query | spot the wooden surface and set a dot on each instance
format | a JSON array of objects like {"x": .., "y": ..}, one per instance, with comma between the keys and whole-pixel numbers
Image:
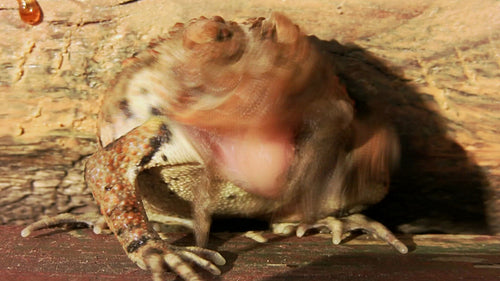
[
  {"x": 82, "y": 255},
  {"x": 433, "y": 64}
]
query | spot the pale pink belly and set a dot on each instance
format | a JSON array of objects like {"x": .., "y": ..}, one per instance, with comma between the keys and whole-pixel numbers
[{"x": 257, "y": 161}]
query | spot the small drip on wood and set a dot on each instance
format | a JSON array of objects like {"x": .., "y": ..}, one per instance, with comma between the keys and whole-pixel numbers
[{"x": 30, "y": 11}]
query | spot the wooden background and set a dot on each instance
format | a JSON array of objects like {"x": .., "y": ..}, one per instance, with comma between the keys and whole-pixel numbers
[{"x": 434, "y": 66}]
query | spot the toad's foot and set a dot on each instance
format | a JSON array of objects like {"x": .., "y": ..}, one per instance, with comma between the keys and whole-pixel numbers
[
  {"x": 156, "y": 254},
  {"x": 341, "y": 228},
  {"x": 92, "y": 220}
]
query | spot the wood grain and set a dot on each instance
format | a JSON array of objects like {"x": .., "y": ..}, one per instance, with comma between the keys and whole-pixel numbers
[
  {"x": 433, "y": 65},
  {"x": 82, "y": 255}
]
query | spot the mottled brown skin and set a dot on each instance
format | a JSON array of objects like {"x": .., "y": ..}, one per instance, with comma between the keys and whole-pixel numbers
[{"x": 259, "y": 86}]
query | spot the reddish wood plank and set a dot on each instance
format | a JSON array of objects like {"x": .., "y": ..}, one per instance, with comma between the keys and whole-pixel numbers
[
  {"x": 435, "y": 64},
  {"x": 82, "y": 255}
]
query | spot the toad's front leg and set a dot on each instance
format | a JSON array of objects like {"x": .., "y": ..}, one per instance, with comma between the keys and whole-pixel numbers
[{"x": 111, "y": 173}]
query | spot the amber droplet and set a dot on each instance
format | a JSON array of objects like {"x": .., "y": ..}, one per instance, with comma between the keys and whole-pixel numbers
[{"x": 30, "y": 11}]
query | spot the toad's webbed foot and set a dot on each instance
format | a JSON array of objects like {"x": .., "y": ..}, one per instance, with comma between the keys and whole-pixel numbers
[
  {"x": 92, "y": 220},
  {"x": 341, "y": 228}
]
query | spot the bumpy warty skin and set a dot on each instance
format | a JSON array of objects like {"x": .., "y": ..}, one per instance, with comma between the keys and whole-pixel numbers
[
  {"x": 181, "y": 117},
  {"x": 240, "y": 80}
]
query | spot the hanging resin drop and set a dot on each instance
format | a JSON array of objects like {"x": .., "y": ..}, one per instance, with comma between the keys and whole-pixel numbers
[{"x": 30, "y": 11}]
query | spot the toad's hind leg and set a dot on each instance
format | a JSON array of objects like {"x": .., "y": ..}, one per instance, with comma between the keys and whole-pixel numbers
[
  {"x": 341, "y": 228},
  {"x": 92, "y": 220}
]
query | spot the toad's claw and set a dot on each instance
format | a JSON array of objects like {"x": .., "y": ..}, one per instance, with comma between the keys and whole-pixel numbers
[
  {"x": 341, "y": 228},
  {"x": 92, "y": 220},
  {"x": 156, "y": 254}
]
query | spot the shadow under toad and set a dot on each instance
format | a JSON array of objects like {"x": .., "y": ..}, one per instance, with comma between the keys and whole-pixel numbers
[{"x": 437, "y": 188}]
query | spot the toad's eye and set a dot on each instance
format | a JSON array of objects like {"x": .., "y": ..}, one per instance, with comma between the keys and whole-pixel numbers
[
  {"x": 206, "y": 31},
  {"x": 280, "y": 29},
  {"x": 223, "y": 34}
]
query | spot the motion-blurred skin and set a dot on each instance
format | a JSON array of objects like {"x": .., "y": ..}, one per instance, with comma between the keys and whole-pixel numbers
[{"x": 227, "y": 119}]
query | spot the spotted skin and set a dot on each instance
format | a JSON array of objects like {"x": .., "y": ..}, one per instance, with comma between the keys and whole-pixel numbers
[
  {"x": 106, "y": 175},
  {"x": 160, "y": 124},
  {"x": 111, "y": 174}
]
